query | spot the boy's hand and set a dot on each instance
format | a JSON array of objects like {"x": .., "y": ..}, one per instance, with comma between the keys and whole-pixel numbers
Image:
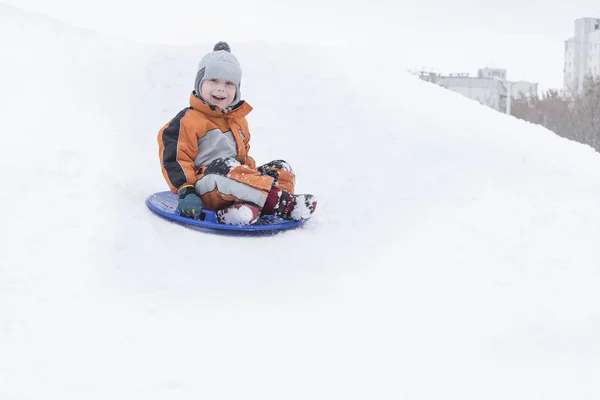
[{"x": 189, "y": 204}]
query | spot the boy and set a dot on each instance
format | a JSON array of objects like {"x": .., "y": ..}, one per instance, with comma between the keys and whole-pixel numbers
[{"x": 204, "y": 157}]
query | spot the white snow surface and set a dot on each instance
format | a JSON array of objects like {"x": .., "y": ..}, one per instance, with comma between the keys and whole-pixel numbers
[{"x": 454, "y": 253}]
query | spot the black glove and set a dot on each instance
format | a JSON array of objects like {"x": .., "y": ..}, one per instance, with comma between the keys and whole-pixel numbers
[{"x": 190, "y": 204}]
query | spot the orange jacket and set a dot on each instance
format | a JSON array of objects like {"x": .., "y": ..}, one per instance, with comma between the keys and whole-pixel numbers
[{"x": 197, "y": 135}]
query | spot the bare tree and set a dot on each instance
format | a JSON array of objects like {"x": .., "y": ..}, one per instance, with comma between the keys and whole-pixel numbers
[
  {"x": 585, "y": 113},
  {"x": 575, "y": 117}
]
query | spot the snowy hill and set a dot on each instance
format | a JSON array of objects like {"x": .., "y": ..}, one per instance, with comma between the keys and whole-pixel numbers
[{"x": 454, "y": 253}]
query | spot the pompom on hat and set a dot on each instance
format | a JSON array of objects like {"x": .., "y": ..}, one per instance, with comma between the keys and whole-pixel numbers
[{"x": 220, "y": 64}]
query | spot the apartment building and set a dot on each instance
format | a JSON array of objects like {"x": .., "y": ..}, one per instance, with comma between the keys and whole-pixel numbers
[
  {"x": 489, "y": 87},
  {"x": 582, "y": 54}
]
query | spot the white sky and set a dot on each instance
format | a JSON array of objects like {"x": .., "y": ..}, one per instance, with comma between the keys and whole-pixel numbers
[{"x": 526, "y": 38}]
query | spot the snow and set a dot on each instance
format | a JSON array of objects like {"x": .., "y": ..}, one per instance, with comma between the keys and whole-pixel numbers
[{"x": 453, "y": 255}]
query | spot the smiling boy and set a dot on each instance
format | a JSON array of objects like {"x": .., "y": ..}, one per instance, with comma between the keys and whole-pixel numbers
[
  {"x": 204, "y": 153},
  {"x": 218, "y": 92}
]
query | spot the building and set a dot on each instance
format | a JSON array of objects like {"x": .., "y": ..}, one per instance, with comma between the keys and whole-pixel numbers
[
  {"x": 494, "y": 73},
  {"x": 523, "y": 89},
  {"x": 486, "y": 90},
  {"x": 517, "y": 88},
  {"x": 582, "y": 54},
  {"x": 489, "y": 87}
]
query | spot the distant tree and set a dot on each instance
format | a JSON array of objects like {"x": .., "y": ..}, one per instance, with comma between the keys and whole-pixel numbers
[
  {"x": 585, "y": 113},
  {"x": 551, "y": 110},
  {"x": 574, "y": 117}
]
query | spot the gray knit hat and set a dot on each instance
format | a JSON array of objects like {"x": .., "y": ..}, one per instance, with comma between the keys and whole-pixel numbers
[{"x": 219, "y": 64}]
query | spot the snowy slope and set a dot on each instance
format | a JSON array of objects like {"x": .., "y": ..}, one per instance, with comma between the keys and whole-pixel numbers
[{"x": 453, "y": 254}]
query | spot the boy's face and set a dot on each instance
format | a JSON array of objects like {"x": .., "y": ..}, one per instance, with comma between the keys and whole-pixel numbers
[{"x": 218, "y": 92}]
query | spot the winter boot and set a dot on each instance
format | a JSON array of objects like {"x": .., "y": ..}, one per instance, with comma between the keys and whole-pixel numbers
[
  {"x": 239, "y": 214},
  {"x": 289, "y": 206},
  {"x": 304, "y": 206}
]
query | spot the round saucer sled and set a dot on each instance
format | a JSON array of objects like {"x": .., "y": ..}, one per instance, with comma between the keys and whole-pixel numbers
[{"x": 165, "y": 205}]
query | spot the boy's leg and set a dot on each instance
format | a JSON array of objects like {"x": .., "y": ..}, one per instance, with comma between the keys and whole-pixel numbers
[
  {"x": 270, "y": 187},
  {"x": 281, "y": 199},
  {"x": 282, "y": 174},
  {"x": 225, "y": 182}
]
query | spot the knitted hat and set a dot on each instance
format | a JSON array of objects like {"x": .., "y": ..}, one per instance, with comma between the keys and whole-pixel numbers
[{"x": 220, "y": 64}]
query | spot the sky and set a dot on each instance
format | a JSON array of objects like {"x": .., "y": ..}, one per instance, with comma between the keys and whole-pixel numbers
[
  {"x": 526, "y": 38},
  {"x": 453, "y": 255}
]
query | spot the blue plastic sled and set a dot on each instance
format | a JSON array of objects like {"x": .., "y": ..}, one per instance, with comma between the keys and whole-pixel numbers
[{"x": 165, "y": 205}]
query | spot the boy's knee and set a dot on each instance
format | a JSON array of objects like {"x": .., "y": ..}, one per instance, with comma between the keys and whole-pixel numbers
[
  {"x": 221, "y": 166},
  {"x": 276, "y": 164}
]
